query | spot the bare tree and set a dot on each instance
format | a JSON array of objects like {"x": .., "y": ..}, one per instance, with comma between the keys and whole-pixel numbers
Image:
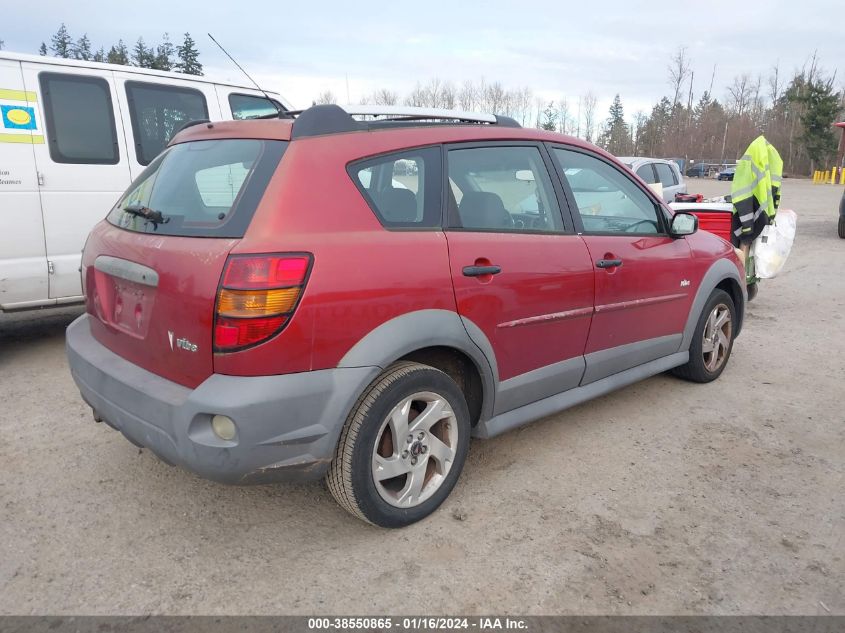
[
  {"x": 564, "y": 115},
  {"x": 679, "y": 70},
  {"x": 589, "y": 107},
  {"x": 326, "y": 97},
  {"x": 775, "y": 86},
  {"x": 383, "y": 96},
  {"x": 468, "y": 96},
  {"x": 739, "y": 94},
  {"x": 448, "y": 96}
]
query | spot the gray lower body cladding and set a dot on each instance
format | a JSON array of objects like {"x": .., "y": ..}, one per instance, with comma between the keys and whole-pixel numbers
[{"x": 287, "y": 425}]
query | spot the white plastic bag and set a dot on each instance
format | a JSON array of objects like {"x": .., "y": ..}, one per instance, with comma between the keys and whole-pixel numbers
[{"x": 772, "y": 246}]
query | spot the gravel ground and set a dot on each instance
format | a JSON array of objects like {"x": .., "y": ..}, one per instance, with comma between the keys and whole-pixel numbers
[{"x": 663, "y": 498}]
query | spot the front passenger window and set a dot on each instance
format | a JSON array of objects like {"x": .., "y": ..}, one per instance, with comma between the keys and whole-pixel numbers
[{"x": 608, "y": 201}]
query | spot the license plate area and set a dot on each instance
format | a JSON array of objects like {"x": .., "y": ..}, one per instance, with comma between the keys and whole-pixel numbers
[{"x": 125, "y": 295}]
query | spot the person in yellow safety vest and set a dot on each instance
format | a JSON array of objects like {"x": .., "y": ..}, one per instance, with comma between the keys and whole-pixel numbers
[{"x": 755, "y": 192}]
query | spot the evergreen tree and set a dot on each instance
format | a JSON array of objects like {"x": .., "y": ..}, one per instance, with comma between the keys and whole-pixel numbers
[
  {"x": 550, "y": 116},
  {"x": 61, "y": 43},
  {"x": 100, "y": 55},
  {"x": 164, "y": 54},
  {"x": 188, "y": 57},
  {"x": 142, "y": 56},
  {"x": 82, "y": 50},
  {"x": 118, "y": 54},
  {"x": 821, "y": 107},
  {"x": 42, "y": 50},
  {"x": 2, "y": 43},
  {"x": 617, "y": 137}
]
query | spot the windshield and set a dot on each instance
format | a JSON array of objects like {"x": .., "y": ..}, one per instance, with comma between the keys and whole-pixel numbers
[{"x": 201, "y": 188}]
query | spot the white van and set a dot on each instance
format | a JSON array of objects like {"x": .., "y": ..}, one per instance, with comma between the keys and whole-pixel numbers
[{"x": 73, "y": 135}]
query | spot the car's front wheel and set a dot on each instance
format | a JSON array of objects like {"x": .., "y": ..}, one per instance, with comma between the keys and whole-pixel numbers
[
  {"x": 712, "y": 340},
  {"x": 402, "y": 447},
  {"x": 842, "y": 226}
]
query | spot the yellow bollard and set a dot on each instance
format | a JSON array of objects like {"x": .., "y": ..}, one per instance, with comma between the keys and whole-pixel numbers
[
  {"x": 816, "y": 177},
  {"x": 833, "y": 176},
  {"x": 842, "y": 176},
  {"x": 826, "y": 176}
]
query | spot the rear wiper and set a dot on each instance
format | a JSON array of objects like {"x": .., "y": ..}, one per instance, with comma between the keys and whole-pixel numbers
[{"x": 152, "y": 215}]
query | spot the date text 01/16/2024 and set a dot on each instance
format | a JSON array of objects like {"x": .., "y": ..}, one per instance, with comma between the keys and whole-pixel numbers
[{"x": 420, "y": 623}]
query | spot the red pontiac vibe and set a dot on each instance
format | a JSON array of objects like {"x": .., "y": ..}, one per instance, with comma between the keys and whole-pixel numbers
[{"x": 322, "y": 296}]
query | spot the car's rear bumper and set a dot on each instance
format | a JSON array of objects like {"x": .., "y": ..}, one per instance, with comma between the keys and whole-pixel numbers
[{"x": 287, "y": 425}]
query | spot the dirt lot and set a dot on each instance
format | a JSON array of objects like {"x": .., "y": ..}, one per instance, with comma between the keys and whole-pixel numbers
[{"x": 665, "y": 497}]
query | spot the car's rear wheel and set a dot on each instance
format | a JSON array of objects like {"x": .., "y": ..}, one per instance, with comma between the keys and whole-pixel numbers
[
  {"x": 712, "y": 340},
  {"x": 402, "y": 448},
  {"x": 842, "y": 226}
]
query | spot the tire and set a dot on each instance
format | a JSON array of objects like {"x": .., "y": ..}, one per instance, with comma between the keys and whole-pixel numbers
[
  {"x": 842, "y": 226},
  {"x": 384, "y": 434},
  {"x": 752, "y": 291},
  {"x": 703, "y": 366}
]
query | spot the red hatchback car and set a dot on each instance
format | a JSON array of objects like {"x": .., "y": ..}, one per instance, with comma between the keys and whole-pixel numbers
[{"x": 319, "y": 295}]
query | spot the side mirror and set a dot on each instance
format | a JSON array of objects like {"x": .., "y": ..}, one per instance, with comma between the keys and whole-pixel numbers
[{"x": 683, "y": 224}]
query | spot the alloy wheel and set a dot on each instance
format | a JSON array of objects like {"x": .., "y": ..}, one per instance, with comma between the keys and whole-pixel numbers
[{"x": 414, "y": 450}]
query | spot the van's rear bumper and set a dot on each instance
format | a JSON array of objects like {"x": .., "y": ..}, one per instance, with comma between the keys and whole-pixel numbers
[{"x": 287, "y": 425}]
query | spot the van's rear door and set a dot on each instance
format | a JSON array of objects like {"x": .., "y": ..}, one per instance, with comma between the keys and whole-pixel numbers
[
  {"x": 82, "y": 164},
  {"x": 153, "y": 267}
]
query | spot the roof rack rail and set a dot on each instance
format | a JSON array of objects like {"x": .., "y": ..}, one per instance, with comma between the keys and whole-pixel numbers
[{"x": 333, "y": 119}]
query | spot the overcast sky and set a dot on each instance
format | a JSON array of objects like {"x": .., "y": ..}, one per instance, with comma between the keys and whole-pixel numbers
[{"x": 558, "y": 49}]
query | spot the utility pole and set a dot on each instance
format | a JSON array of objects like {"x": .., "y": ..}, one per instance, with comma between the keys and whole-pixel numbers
[{"x": 724, "y": 139}]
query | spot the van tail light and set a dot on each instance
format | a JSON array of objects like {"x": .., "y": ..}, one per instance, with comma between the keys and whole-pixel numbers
[{"x": 257, "y": 297}]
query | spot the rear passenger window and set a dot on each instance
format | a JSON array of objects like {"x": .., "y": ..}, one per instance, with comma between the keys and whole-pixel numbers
[
  {"x": 646, "y": 172},
  {"x": 501, "y": 189},
  {"x": 403, "y": 190},
  {"x": 666, "y": 175},
  {"x": 252, "y": 107},
  {"x": 80, "y": 119},
  {"x": 157, "y": 112}
]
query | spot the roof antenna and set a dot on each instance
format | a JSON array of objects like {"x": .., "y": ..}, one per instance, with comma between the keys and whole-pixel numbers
[{"x": 264, "y": 92}]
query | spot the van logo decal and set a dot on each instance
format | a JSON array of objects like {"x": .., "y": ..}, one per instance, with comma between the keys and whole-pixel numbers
[{"x": 180, "y": 343}]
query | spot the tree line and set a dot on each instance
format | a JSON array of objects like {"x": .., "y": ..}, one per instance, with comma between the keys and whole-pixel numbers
[
  {"x": 796, "y": 112},
  {"x": 166, "y": 55}
]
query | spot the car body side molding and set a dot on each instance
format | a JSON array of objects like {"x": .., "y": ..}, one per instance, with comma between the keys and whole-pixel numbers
[{"x": 554, "y": 404}]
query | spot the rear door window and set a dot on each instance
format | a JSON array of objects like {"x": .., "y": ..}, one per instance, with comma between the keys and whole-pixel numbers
[
  {"x": 202, "y": 188},
  {"x": 80, "y": 119},
  {"x": 157, "y": 112},
  {"x": 501, "y": 189},
  {"x": 402, "y": 189},
  {"x": 252, "y": 107},
  {"x": 646, "y": 172},
  {"x": 666, "y": 174}
]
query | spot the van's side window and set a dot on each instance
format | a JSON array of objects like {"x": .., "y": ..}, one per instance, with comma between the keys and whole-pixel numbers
[
  {"x": 157, "y": 112},
  {"x": 80, "y": 119},
  {"x": 252, "y": 107}
]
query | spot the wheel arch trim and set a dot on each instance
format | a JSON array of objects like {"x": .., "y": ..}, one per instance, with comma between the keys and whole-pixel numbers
[
  {"x": 405, "y": 334},
  {"x": 719, "y": 271}
]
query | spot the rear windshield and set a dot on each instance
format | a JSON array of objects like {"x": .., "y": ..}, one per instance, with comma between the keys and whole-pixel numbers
[{"x": 200, "y": 189}]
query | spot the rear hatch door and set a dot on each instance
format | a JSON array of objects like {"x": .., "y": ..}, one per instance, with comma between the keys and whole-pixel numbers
[{"x": 153, "y": 267}]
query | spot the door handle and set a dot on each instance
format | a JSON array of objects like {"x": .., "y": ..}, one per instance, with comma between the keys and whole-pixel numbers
[
  {"x": 478, "y": 271},
  {"x": 608, "y": 263}
]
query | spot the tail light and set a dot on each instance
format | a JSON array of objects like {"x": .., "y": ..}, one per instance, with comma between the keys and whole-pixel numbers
[{"x": 257, "y": 297}]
